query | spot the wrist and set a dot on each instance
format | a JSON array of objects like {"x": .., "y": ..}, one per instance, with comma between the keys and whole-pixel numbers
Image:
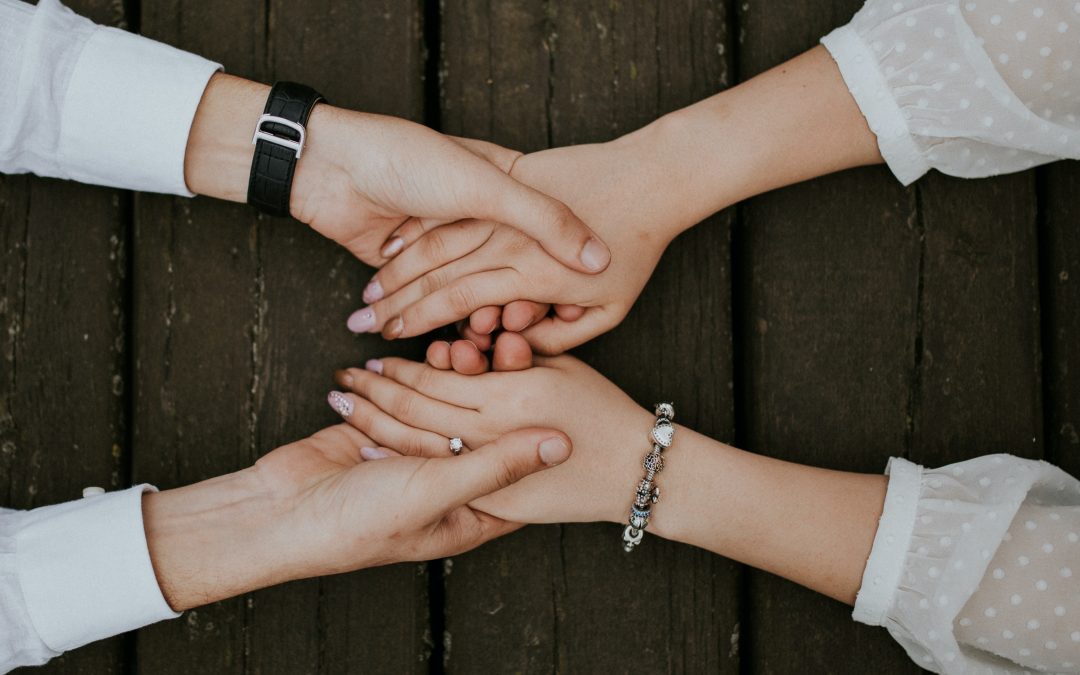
[
  {"x": 217, "y": 162},
  {"x": 216, "y": 539}
]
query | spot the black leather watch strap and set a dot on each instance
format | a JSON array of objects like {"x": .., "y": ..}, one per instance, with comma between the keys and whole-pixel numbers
[{"x": 279, "y": 142}]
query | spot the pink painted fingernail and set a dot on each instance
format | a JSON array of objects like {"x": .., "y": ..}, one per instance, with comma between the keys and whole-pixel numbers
[
  {"x": 374, "y": 365},
  {"x": 340, "y": 403},
  {"x": 394, "y": 329},
  {"x": 373, "y": 453},
  {"x": 594, "y": 255},
  {"x": 373, "y": 291},
  {"x": 362, "y": 320},
  {"x": 393, "y": 247},
  {"x": 554, "y": 451}
]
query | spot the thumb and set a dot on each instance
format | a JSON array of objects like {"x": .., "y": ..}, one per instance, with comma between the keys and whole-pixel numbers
[
  {"x": 549, "y": 222},
  {"x": 501, "y": 463}
]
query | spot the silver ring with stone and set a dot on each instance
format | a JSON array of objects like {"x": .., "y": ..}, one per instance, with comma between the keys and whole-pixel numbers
[{"x": 456, "y": 446}]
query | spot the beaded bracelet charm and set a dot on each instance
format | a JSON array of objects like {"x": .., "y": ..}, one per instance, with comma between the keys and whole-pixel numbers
[{"x": 663, "y": 432}]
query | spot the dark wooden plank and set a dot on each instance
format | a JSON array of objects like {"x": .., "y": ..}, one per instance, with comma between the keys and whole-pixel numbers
[
  {"x": 561, "y": 73},
  {"x": 368, "y": 56},
  {"x": 979, "y": 387},
  {"x": 197, "y": 316},
  {"x": 828, "y": 297},
  {"x": 1060, "y": 280},
  {"x": 62, "y": 331},
  {"x": 239, "y": 341}
]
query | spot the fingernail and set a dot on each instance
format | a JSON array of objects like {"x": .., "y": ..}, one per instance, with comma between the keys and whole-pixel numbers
[
  {"x": 393, "y": 247},
  {"x": 594, "y": 255},
  {"x": 373, "y": 291},
  {"x": 554, "y": 451},
  {"x": 374, "y": 365},
  {"x": 373, "y": 453},
  {"x": 362, "y": 320},
  {"x": 394, "y": 328},
  {"x": 340, "y": 403}
]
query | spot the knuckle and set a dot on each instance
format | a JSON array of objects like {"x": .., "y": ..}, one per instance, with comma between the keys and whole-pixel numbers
[
  {"x": 461, "y": 298},
  {"x": 402, "y": 405},
  {"x": 431, "y": 282},
  {"x": 425, "y": 379},
  {"x": 433, "y": 246},
  {"x": 505, "y": 473}
]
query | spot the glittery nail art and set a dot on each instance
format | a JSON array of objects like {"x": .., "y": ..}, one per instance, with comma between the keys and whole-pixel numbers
[{"x": 340, "y": 403}]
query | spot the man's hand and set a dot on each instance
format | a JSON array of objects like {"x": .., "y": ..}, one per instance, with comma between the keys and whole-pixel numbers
[
  {"x": 362, "y": 177},
  {"x": 319, "y": 506}
]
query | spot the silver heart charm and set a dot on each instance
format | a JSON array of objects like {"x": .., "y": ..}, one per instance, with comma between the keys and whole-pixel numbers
[{"x": 662, "y": 435}]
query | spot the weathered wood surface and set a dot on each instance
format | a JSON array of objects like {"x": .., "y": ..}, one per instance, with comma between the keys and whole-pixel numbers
[
  {"x": 566, "y": 598},
  {"x": 836, "y": 323}
]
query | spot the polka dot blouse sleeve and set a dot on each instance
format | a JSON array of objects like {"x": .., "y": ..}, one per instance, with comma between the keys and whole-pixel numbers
[
  {"x": 971, "y": 88},
  {"x": 975, "y": 567}
]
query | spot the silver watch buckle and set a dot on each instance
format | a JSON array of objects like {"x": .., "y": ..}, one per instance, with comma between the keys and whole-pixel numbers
[{"x": 296, "y": 146}]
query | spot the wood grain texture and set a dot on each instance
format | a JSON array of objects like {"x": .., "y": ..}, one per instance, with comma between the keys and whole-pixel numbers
[
  {"x": 238, "y": 340},
  {"x": 828, "y": 297},
  {"x": 1060, "y": 283},
  {"x": 63, "y": 341},
  {"x": 537, "y": 74}
]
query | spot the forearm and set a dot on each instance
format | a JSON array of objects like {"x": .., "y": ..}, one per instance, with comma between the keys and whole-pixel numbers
[
  {"x": 812, "y": 526},
  {"x": 215, "y": 539},
  {"x": 789, "y": 124}
]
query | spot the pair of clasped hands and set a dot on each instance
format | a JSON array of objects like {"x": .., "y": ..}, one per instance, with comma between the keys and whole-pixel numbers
[{"x": 544, "y": 251}]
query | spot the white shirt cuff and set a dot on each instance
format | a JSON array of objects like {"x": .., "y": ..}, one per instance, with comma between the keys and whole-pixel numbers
[
  {"x": 128, "y": 112},
  {"x": 85, "y": 570},
  {"x": 881, "y": 577},
  {"x": 859, "y": 67}
]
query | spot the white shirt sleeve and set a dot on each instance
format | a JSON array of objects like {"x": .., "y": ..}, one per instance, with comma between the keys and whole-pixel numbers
[
  {"x": 94, "y": 104},
  {"x": 971, "y": 89},
  {"x": 74, "y": 573},
  {"x": 975, "y": 566}
]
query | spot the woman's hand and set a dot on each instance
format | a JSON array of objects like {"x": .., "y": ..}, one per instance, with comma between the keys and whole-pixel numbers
[
  {"x": 415, "y": 408},
  {"x": 362, "y": 176},
  {"x": 320, "y": 506},
  {"x": 448, "y": 273}
]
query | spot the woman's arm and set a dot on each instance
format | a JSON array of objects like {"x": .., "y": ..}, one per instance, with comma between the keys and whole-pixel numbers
[{"x": 638, "y": 192}]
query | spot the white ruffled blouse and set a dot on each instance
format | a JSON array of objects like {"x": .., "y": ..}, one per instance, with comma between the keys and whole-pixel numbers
[
  {"x": 971, "y": 88},
  {"x": 975, "y": 567}
]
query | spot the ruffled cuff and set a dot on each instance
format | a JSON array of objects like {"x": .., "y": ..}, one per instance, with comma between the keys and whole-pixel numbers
[{"x": 864, "y": 79}]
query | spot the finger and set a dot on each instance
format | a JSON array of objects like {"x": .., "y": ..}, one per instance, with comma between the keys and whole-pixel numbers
[
  {"x": 438, "y": 355},
  {"x": 446, "y": 386},
  {"x": 431, "y": 251},
  {"x": 554, "y": 335},
  {"x": 504, "y": 158},
  {"x": 548, "y": 221},
  {"x": 569, "y": 312},
  {"x": 366, "y": 417},
  {"x": 453, "y": 302},
  {"x": 408, "y": 406},
  {"x": 467, "y": 359},
  {"x": 520, "y": 314},
  {"x": 482, "y": 342},
  {"x": 369, "y": 453},
  {"x": 458, "y": 274},
  {"x": 465, "y": 528},
  {"x": 512, "y": 352},
  {"x": 485, "y": 320},
  {"x": 497, "y": 465}
]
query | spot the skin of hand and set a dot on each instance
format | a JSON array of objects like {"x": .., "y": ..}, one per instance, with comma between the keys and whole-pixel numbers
[
  {"x": 791, "y": 123},
  {"x": 810, "y": 525},
  {"x": 361, "y": 177},
  {"x": 321, "y": 506}
]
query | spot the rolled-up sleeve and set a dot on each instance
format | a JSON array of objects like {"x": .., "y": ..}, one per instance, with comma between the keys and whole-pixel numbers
[
  {"x": 94, "y": 104},
  {"x": 74, "y": 573}
]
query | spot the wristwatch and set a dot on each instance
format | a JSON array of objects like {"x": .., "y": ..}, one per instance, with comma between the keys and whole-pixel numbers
[{"x": 279, "y": 142}]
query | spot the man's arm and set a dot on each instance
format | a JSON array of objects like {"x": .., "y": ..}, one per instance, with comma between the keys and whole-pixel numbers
[{"x": 103, "y": 106}]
